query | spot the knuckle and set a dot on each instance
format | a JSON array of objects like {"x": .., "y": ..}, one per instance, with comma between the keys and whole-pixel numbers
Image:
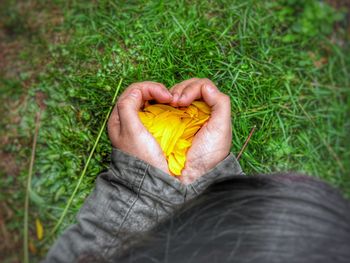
[
  {"x": 159, "y": 85},
  {"x": 134, "y": 85},
  {"x": 110, "y": 122},
  {"x": 137, "y": 84},
  {"x": 113, "y": 119},
  {"x": 175, "y": 89},
  {"x": 145, "y": 84},
  {"x": 109, "y": 125},
  {"x": 122, "y": 105}
]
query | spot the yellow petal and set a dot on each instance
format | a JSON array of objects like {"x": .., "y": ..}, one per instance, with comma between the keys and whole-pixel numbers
[
  {"x": 202, "y": 106},
  {"x": 181, "y": 159},
  {"x": 170, "y": 134},
  {"x": 191, "y": 131},
  {"x": 175, "y": 136},
  {"x": 159, "y": 124},
  {"x": 192, "y": 111},
  {"x": 154, "y": 109},
  {"x": 198, "y": 121},
  {"x": 159, "y": 108},
  {"x": 39, "y": 229},
  {"x": 174, "y": 166},
  {"x": 174, "y": 129},
  {"x": 183, "y": 144},
  {"x": 146, "y": 118}
]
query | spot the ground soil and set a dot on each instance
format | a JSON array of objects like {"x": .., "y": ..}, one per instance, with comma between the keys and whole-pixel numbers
[
  {"x": 12, "y": 65},
  {"x": 22, "y": 50}
]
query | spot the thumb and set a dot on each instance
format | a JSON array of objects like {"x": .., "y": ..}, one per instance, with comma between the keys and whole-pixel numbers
[
  {"x": 220, "y": 105},
  {"x": 128, "y": 108}
]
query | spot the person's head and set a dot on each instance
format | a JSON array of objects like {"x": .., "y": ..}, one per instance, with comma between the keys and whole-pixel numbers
[{"x": 277, "y": 218}]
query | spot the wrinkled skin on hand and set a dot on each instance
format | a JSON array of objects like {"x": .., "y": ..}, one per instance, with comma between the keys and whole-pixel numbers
[
  {"x": 210, "y": 145},
  {"x": 125, "y": 129}
]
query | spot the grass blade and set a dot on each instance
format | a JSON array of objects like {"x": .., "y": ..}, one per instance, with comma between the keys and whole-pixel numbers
[
  {"x": 64, "y": 213},
  {"x": 29, "y": 182}
]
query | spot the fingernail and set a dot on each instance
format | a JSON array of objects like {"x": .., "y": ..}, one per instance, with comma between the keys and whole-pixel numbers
[
  {"x": 210, "y": 89},
  {"x": 166, "y": 92},
  {"x": 134, "y": 93}
]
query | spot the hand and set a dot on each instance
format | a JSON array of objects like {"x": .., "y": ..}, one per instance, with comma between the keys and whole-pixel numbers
[
  {"x": 125, "y": 129},
  {"x": 212, "y": 143}
]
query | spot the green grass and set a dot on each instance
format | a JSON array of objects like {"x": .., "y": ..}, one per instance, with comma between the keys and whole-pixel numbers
[{"x": 281, "y": 62}]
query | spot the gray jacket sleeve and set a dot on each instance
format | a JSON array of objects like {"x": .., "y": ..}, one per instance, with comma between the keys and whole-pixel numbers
[{"x": 131, "y": 197}]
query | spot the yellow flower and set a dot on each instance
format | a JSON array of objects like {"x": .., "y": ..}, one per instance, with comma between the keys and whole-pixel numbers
[{"x": 174, "y": 129}]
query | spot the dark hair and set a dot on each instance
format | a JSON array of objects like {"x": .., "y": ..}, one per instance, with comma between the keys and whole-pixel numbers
[{"x": 275, "y": 218}]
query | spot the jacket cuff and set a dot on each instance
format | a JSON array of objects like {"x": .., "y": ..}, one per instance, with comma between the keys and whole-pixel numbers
[
  {"x": 138, "y": 175},
  {"x": 225, "y": 169}
]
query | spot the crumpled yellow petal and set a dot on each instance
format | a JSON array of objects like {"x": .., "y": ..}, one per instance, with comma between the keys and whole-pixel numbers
[
  {"x": 159, "y": 108},
  {"x": 39, "y": 229},
  {"x": 202, "y": 106},
  {"x": 146, "y": 118},
  {"x": 192, "y": 111},
  {"x": 190, "y": 131},
  {"x": 174, "y": 166},
  {"x": 174, "y": 129}
]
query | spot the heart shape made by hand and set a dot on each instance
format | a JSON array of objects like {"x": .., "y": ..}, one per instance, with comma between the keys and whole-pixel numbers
[{"x": 174, "y": 129}]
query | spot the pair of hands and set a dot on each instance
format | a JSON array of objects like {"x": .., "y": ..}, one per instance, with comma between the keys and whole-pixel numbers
[{"x": 210, "y": 145}]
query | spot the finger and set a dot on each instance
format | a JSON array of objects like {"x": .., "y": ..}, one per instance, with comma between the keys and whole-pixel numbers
[
  {"x": 220, "y": 108},
  {"x": 132, "y": 100},
  {"x": 128, "y": 107},
  {"x": 113, "y": 127},
  {"x": 151, "y": 91},
  {"x": 218, "y": 101},
  {"x": 178, "y": 88},
  {"x": 176, "y": 91},
  {"x": 194, "y": 91}
]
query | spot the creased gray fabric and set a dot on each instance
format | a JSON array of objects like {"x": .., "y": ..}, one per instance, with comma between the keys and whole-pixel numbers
[{"x": 131, "y": 197}]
